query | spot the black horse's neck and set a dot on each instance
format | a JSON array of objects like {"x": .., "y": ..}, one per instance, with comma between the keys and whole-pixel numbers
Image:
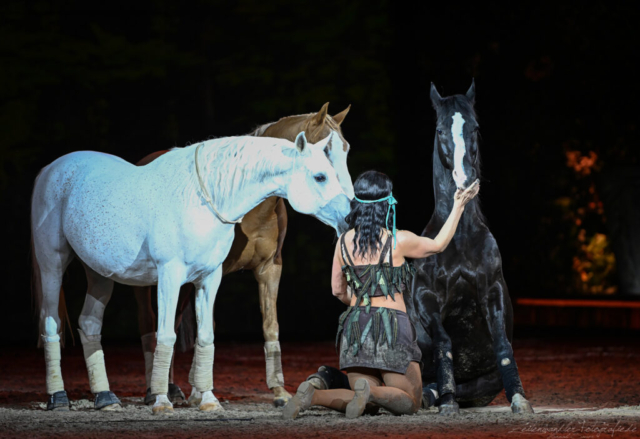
[{"x": 444, "y": 189}]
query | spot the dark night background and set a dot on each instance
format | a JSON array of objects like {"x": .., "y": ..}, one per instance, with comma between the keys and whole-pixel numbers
[{"x": 557, "y": 96}]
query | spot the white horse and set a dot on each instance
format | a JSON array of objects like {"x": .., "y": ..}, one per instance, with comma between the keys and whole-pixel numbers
[{"x": 158, "y": 224}]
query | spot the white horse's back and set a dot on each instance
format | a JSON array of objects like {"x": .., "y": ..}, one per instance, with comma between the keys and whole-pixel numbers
[{"x": 100, "y": 206}]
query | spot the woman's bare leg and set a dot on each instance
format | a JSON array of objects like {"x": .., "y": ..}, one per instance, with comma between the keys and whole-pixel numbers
[
  {"x": 336, "y": 399},
  {"x": 402, "y": 394}
]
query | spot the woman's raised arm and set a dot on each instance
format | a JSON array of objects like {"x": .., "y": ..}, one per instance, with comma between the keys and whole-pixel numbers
[{"x": 414, "y": 246}]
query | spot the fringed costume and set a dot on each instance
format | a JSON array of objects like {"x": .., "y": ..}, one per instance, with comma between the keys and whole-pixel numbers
[{"x": 376, "y": 337}]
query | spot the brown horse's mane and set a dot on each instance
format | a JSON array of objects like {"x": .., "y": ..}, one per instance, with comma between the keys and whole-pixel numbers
[{"x": 328, "y": 120}]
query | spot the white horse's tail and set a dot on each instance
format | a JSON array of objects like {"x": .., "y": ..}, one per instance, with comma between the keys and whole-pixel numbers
[{"x": 36, "y": 293}]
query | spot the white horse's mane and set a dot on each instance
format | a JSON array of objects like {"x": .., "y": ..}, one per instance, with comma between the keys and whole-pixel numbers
[{"x": 228, "y": 163}]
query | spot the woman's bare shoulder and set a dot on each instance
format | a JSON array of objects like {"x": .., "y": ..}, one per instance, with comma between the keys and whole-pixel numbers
[{"x": 404, "y": 235}]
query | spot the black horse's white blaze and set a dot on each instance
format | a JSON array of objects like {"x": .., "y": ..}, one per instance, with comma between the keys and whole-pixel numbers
[{"x": 457, "y": 133}]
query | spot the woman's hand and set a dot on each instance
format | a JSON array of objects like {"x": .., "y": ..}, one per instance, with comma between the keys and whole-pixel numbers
[{"x": 462, "y": 197}]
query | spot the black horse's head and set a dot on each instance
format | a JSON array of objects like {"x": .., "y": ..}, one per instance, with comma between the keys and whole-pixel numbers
[{"x": 457, "y": 135}]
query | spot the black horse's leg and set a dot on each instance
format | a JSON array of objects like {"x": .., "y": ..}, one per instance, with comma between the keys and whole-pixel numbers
[
  {"x": 444, "y": 367},
  {"x": 498, "y": 313},
  {"x": 480, "y": 391}
]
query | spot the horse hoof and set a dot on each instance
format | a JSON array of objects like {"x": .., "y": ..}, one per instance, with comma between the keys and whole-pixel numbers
[
  {"x": 281, "y": 397},
  {"x": 209, "y": 403},
  {"x": 280, "y": 402},
  {"x": 429, "y": 398},
  {"x": 195, "y": 399},
  {"x": 162, "y": 410},
  {"x": 210, "y": 407},
  {"x": 162, "y": 406},
  {"x": 107, "y": 401},
  {"x": 111, "y": 408},
  {"x": 175, "y": 394},
  {"x": 149, "y": 398},
  {"x": 520, "y": 405},
  {"x": 449, "y": 409},
  {"x": 58, "y": 402}
]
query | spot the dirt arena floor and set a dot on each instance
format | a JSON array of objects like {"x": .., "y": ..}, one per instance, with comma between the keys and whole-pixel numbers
[{"x": 579, "y": 388}]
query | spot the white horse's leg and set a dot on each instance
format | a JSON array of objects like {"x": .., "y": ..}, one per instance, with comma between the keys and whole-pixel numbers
[
  {"x": 51, "y": 327},
  {"x": 51, "y": 256},
  {"x": 170, "y": 278},
  {"x": 204, "y": 349},
  {"x": 99, "y": 291}
]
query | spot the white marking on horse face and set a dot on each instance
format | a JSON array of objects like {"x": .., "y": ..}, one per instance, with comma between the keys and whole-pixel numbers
[
  {"x": 505, "y": 362},
  {"x": 457, "y": 133}
]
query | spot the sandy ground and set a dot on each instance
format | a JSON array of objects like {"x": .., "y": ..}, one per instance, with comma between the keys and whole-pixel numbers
[{"x": 579, "y": 388}]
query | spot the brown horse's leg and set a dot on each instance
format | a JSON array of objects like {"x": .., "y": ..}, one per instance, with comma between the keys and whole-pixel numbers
[
  {"x": 147, "y": 327},
  {"x": 268, "y": 277}
]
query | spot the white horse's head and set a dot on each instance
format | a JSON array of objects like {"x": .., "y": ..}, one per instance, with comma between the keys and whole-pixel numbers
[
  {"x": 337, "y": 149},
  {"x": 314, "y": 188}
]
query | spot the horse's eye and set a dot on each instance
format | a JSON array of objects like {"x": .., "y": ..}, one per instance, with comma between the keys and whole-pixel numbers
[
  {"x": 320, "y": 178},
  {"x": 439, "y": 132}
]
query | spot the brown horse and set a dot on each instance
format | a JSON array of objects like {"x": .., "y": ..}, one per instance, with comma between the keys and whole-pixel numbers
[{"x": 257, "y": 246}]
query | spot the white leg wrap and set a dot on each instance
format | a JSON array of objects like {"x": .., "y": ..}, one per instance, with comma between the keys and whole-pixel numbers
[
  {"x": 160, "y": 374},
  {"x": 192, "y": 372},
  {"x": 203, "y": 375},
  {"x": 52, "y": 358},
  {"x": 148, "y": 349},
  {"x": 94, "y": 357},
  {"x": 273, "y": 357}
]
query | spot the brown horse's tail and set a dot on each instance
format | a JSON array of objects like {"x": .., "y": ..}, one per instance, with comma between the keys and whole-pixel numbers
[{"x": 36, "y": 295}]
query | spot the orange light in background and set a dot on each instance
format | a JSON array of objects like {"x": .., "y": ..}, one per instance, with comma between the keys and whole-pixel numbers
[
  {"x": 582, "y": 164},
  {"x": 594, "y": 262}
]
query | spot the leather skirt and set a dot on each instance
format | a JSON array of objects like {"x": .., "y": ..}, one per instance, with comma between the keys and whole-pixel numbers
[{"x": 382, "y": 338}]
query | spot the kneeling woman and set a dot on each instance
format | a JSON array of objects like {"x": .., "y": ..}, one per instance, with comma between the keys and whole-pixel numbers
[{"x": 378, "y": 348}]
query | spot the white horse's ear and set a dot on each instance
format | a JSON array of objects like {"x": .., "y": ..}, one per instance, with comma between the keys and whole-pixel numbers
[{"x": 301, "y": 142}]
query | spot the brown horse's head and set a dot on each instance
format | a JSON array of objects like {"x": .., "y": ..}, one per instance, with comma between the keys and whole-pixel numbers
[{"x": 316, "y": 127}]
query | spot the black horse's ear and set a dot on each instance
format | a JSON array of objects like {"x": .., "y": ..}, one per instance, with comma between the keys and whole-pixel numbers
[
  {"x": 471, "y": 93},
  {"x": 435, "y": 96}
]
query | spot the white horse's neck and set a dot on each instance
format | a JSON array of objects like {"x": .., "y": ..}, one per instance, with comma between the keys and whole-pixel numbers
[{"x": 238, "y": 172}]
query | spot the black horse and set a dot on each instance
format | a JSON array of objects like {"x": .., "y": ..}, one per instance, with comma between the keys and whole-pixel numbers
[{"x": 460, "y": 302}]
